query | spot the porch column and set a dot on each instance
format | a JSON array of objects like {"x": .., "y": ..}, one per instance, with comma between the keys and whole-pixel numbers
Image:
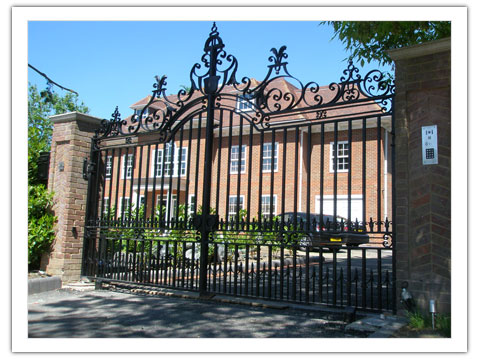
[{"x": 70, "y": 145}]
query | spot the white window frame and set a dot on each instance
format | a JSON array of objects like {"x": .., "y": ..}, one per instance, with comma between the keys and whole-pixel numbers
[
  {"x": 108, "y": 166},
  {"x": 167, "y": 215},
  {"x": 182, "y": 163},
  {"x": 106, "y": 205},
  {"x": 125, "y": 159},
  {"x": 245, "y": 104},
  {"x": 140, "y": 198},
  {"x": 332, "y": 158},
  {"x": 242, "y": 158},
  {"x": 161, "y": 163},
  {"x": 274, "y": 212},
  {"x": 242, "y": 202},
  {"x": 167, "y": 165},
  {"x": 191, "y": 202},
  {"x": 171, "y": 207},
  {"x": 274, "y": 160},
  {"x": 159, "y": 202},
  {"x": 122, "y": 204}
]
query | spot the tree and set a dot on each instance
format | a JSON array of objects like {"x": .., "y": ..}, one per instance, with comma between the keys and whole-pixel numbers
[
  {"x": 41, "y": 219},
  {"x": 186, "y": 88},
  {"x": 41, "y": 105},
  {"x": 369, "y": 40}
]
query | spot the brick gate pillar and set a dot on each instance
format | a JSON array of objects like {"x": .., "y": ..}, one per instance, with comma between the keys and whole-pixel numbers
[
  {"x": 70, "y": 145},
  {"x": 423, "y": 191}
]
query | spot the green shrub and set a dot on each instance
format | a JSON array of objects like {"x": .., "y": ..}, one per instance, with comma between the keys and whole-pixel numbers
[
  {"x": 417, "y": 320},
  {"x": 443, "y": 325},
  {"x": 40, "y": 224}
]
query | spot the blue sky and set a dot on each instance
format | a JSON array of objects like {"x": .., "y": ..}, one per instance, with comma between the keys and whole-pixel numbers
[{"x": 112, "y": 63}]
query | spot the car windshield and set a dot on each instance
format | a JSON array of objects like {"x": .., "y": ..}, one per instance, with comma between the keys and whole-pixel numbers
[
  {"x": 330, "y": 219},
  {"x": 300, "y": 216},
  {"x": 303, "y": 217}
]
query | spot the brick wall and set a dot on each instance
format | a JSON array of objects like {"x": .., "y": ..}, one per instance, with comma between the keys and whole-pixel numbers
[
  {"x": 70, "y": 145},
  {"x": 423, "y": 191}
]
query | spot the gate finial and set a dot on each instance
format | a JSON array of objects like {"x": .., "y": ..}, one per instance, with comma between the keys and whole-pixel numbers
[{"x": 214, "y": 29}]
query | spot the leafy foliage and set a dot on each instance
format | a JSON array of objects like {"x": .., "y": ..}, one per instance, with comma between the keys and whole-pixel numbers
[
  {"x": 369, "y": 40},
  {"x": 135, "y": 233},
  {"x": 444, "y": 325},
  {"x": 41, "y": 219},
  {"x": 419, "y": 321},
  {"x": 128, "y": 233},
  {"x": 40, "y": 223},
  {"x": 41, "y": 105}
]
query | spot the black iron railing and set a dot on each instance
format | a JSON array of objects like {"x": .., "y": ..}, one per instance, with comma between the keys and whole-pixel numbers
[
  {"x": 359, "y": 277},
  {"x": 241, "y": 187}
]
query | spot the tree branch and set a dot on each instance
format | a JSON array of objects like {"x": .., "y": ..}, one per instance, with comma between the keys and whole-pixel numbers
[{"x": 51, "y": 81}]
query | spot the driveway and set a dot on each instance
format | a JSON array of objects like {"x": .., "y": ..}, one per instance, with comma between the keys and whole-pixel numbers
[{"x": 98, "y": 314}]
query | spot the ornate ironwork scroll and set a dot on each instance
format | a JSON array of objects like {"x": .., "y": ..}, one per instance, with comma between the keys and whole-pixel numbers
[{"x": 279, "y": 95}]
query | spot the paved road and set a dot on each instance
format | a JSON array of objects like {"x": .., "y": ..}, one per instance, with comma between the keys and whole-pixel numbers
[{"x": 74, "y": 314}]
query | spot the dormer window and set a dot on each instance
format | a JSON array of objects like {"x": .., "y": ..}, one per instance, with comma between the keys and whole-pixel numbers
[
  {"x": 245, "y": 102},
  {"x": 138, "y": 113}
]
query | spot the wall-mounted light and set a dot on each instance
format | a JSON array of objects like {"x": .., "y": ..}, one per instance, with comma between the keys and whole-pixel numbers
[
  {"x": 61, "y": 166},
  {"x": 407, "y": 298}
]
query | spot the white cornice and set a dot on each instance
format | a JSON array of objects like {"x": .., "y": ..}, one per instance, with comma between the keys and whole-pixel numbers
[{"x": 74, "y": 116}]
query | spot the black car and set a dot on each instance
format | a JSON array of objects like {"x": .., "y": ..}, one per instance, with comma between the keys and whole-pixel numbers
[{"x": 323, "y": 234}]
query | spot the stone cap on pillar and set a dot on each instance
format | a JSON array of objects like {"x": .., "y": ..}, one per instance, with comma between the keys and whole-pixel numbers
[
  {"x": 75, "y": 116},
  {"x": 428, "y": 48}
]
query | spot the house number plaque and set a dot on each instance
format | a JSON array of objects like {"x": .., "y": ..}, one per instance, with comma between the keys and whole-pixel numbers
[{"x": 322, "y": 114}]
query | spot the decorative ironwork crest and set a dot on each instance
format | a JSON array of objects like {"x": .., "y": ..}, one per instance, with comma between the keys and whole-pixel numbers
[
  {"x": 270, "y": 97},
  {"x": 112, "y": 127}
]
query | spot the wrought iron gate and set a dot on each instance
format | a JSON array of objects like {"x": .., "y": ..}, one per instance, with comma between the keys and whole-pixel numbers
[{"x": 273, "y": 188}]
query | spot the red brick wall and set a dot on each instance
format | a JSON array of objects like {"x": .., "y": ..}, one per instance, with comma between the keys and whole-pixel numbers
[
  {"x": 423, "y": 191},
  {"x": 70, "y": 145}
]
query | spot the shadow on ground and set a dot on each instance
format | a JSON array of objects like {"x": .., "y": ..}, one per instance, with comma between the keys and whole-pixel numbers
[{"x": 99, "y": 314}]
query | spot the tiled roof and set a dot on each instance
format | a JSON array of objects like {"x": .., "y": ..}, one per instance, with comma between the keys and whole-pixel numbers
[{"x": 143, "y": 101}]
